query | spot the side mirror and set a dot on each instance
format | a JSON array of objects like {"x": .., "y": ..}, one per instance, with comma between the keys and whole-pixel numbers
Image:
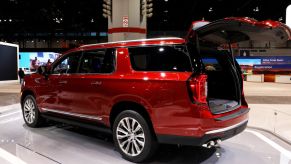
[{"x": 43, "y": 70}]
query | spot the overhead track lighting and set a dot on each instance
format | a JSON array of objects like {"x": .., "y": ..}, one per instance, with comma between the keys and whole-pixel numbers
[{"x": 107, "y": 9}]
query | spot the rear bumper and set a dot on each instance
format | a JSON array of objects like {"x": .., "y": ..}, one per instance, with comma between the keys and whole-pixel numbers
[{"x": 222, "y": 134}]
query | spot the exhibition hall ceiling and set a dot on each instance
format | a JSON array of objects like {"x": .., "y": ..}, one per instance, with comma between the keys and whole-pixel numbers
[{"x": 86, "y": 15}]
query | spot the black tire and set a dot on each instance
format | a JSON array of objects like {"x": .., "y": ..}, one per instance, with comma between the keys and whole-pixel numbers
[
  {"x": 29, "y": 106},
  {"x": 150, "y": 145}
]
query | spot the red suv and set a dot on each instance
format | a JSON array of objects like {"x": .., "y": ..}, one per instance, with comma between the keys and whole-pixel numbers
[{"x": 146, "y": 92}]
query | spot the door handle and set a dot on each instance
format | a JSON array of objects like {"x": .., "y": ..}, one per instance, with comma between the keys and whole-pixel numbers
[
  {"x": 96, "y": 83},
  {"x": 63, "y": 82},
  {"x": 37, "y": 80}
]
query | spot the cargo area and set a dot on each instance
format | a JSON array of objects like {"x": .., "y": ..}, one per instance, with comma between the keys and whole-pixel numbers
[{"x": 223, "y": 84}]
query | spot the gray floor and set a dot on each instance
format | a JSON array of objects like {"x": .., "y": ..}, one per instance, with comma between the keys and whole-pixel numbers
[
  {"x": 68, "y": 145},
  {"x": 9, "y": 98}
]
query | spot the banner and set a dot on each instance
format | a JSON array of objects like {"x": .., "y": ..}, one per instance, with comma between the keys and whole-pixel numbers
[{"x": 30, "y": 61}]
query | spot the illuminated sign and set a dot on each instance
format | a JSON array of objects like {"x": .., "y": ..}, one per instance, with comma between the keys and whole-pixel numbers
[
  {"x": 257, "y": 60},
  {"x": 267, "y": 67}
]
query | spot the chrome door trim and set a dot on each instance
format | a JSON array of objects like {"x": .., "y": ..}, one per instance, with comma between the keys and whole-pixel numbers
[{"x": 73, "y": 114}]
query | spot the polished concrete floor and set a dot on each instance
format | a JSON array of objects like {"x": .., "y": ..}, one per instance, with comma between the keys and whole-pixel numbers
[{"x": 64, "y": 144}]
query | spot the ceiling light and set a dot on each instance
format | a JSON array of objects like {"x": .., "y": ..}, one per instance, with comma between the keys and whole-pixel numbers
[
  {"x": 210, "y": 9},
  {"x": 256, "y": 9},
  {"x": 58, "y": 20}
]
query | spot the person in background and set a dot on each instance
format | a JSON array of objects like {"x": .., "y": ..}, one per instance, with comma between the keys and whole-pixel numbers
[
  {"x": 21, "y": 75},
  {"x": 34, "y": 64},
  {"x": 48, "y": 62}
]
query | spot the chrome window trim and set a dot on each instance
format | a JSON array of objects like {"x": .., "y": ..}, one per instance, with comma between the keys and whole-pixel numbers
[
  {"x": 129, "y": 41},
  {"x": 73, "y": 114},
  {"x": 227, "y": 128}
]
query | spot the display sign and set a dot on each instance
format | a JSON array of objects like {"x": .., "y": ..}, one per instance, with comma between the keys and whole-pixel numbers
[
  {"x": 277, "y": 60},
  {"x": 249, "y": 62},
  {"x": 265, "y": 63},
  {"x": 30, "y": 61},
  {"x": 268, "y": 67},
  {"x": 8, "y": 61},
  {"x": 273, "y": 60},
  {"x": 125, "y": 21}
]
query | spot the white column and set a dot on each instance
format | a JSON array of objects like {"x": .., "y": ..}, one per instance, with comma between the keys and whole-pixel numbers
[
  {"x": 288, "y": 16},
  {"x": 135, "y": 29}
]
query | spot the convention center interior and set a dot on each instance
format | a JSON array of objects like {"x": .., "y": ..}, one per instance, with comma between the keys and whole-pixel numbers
[{"x": 145, "y": 81}]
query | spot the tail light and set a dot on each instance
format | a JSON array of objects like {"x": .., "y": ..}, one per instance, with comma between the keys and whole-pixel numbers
[{"x": 198, "y": 88}]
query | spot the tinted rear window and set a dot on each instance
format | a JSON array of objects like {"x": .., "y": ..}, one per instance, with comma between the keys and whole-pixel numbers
[
  {"x": 160, "y": 58},
  {"x": 211, "y": 64}
]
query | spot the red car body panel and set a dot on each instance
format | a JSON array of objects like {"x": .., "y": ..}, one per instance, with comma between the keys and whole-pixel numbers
[{"x": 268, "y": 25}]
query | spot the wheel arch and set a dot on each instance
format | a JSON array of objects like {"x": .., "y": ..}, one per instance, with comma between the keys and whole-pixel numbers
[
  {"x": 26, "y": 93},
  {"x": 130, "y": 105}
]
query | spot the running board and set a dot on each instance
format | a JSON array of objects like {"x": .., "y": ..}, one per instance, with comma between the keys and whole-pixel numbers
[{"x": 78, "y": 123}]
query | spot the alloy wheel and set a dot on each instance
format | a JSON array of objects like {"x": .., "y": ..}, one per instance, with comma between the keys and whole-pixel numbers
[
  {"x": 130, "y": 136},
  {"x": 29, "y": 111}
]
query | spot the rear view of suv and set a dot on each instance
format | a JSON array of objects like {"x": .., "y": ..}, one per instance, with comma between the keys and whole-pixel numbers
[{"x": 144, "y": 92}]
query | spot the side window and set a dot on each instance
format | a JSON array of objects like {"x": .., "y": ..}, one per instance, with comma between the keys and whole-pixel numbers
[
  {"x": 97, "y": 61},
  {"x": 68, "y": 65},
  {"x": 160, "y": 58}
]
